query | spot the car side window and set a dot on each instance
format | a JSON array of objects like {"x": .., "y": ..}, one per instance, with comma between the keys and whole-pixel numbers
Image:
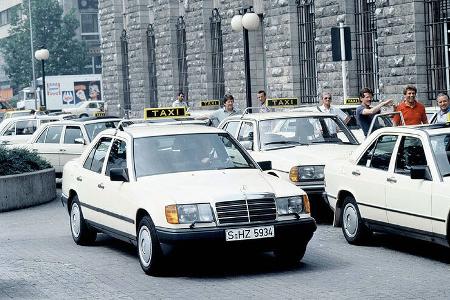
[
  {"x": 41, "y": 138},
  {"x": 117, "y": 156},
  {"x": 410, "y": 153},
  {"x": 72, "y": 133},
  {"x": 26, "y": 127},
  {"x": 11, "y": 129},
  {"x": 246, "y": 132},
  {"x": 53, "y": 135},
  {"x": 92, "y": 105},
  {"x": 96, "y": 157},
  {"x": 379, "y": 153},
  {"x": 232, "y": 127}
]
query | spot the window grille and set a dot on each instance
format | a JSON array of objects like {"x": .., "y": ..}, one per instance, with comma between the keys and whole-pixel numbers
[
  {"x": 307, "y": 52},
  {"x": 217, "y": 55},
  {"x": 151, "y": 53},
  {"x": 366, "y": 46},
  {"x": 181, "y": 56},
  {"x": 437, "y": 47},
  {"x": 125, "y": 72}
]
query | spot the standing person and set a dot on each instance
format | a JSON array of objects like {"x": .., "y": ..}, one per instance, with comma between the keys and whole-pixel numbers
[
  {"x": 226, "y": 111},
  {"x": 365, "y": 113},
  {"x": 442, "y": 116},
  {"x": 412, "y": 110},
  {"x": 180, "y": 101},
  {"x": 327, "y": 108},
  {"x": 261, "y": 95}
]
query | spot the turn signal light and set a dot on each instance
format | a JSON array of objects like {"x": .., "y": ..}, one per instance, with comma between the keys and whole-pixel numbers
[
  {"x": 172, "y": 214},
  {"x": 293, "y": 174},
  {"x": 306, "y": 205}
]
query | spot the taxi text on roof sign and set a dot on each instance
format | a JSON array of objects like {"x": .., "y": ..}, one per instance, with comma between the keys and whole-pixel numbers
[
  {"x": 351, "y": 101},
  {"x": 99, "y": 114},
  {"x": 206, "y": 103},
  {"x": 164, "y": 112},
  {"x": 281, "y": 102}
]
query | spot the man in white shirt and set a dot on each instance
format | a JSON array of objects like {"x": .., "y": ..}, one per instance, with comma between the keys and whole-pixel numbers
[
  {"x": 180, "y": 102},
  {"x": 442, "y": 116},
  {"x": 327, "y": 108}
]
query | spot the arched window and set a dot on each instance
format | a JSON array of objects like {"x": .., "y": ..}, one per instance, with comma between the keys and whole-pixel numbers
[
  {"x": 217, "y": 55},
  {"x": 181, "y": 57},
  {"x": 125, "y": 72}
]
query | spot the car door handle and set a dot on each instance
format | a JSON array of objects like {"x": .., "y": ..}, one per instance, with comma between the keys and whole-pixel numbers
[
  {"x": 100, "y": 186},
  {"x": 391, "y": 180},
  {"x": 62, "y": 150},
  {"x": 79, "y": 178},
  {"x": 356, "y": 173}
]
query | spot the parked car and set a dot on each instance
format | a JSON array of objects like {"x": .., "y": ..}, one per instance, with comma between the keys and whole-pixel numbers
[
  {"x": 20, "y": 129},
  {"x": 397, "y": 181},
  {"x": 160, "y": 187},
  {"x": 59, "y": 142},
  {"x": 299, "y": 144},
  {"x": 86, "y": 108}
]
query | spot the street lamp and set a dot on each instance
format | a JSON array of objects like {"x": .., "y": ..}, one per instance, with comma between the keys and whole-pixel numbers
[
  {"x": 246, "y": 20},
  {"x": 42, "y": 55}
]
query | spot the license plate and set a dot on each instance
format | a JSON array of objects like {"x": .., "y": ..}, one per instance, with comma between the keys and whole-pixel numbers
[{"x": 252, "y": 233}]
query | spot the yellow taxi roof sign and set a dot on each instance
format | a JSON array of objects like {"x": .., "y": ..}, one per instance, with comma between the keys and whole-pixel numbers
[
  {"x": 164, "y": 112},
  {"x": 206, "y": 103},
  {"x": 282, "y": 102},
  {"x": 351, "y": 100}
]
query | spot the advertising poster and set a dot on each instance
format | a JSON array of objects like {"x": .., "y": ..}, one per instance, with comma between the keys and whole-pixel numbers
[
  {"x": 87, "y": 90},
  {"x": 67, "y": 98}
]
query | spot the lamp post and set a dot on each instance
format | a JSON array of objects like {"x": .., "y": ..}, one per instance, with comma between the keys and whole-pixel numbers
[
  {"x": 42, "y": 55},
  {"x": 246, "y": 20}
]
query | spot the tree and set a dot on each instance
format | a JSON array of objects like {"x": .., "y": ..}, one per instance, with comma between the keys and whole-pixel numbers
[{"x": 51, "y": 30}]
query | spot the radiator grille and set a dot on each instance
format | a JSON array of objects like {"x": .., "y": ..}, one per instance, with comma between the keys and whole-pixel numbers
[{"x": 246, "y": 211}]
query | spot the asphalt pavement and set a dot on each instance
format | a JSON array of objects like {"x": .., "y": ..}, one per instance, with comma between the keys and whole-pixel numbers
[{"x": 39, "y": 260}]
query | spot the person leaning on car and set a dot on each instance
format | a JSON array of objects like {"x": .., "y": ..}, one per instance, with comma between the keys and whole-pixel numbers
[
  {"x": 219, "y": 115},
  {"x": 365, "y": 113},
  {"x": 442, "y": 116},
  {"x": 412, "y": 110}
]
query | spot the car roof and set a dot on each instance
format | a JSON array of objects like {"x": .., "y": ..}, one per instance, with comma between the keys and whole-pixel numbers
[
  {"x": 433, "y": 129},
  {"x": 160, "y": 130},
  {"x": 84, "y": 121},
  {"x": 278, "y": 115}
]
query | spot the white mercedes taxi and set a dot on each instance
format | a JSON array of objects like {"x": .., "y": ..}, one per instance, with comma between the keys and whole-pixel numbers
[
  {"x": 172, "y": 185},
  {"x": 397, "y": 181},
  {"x": 299, "y": 144}
]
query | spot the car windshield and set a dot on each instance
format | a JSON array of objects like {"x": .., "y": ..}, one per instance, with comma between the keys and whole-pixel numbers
[
  {"x": 289, "y": 132},
  {"x": 441, "y": 148},
  {"x": 94, "y": 128},
  {"x": 188, "y": 152}
]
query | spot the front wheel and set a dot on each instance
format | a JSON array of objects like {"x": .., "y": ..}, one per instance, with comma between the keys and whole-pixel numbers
[
  {"x": 149, "y": 250},
  {"x": 354, "y": 229},
  {"x": 81, "y": 233}
]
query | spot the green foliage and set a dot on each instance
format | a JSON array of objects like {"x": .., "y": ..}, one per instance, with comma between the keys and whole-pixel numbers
[
  {"x": 18, "y": 161},
  {"x": 52, "y": 30}
]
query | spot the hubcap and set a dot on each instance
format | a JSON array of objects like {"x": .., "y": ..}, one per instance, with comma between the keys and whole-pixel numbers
[
  {"x": 350, "y": 219},
  {"x": 75, "y": 220},
  {"x": 145, "y": 246}
]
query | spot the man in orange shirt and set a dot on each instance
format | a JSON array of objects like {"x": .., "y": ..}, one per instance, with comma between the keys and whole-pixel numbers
[{"x": 413, "y": 111}]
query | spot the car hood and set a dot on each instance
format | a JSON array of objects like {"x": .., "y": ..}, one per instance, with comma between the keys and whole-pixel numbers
[
  {"x": 215, "y": 186},
  {"x": 315, "y": 154}
]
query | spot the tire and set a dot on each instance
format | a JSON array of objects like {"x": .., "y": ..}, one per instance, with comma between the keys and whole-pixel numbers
[
  {"x": 81, "y": 233},
  {"x": 353, "y": 228},
  {"x": 148, "y": 247},
  {"x": 290, "y": 254}
]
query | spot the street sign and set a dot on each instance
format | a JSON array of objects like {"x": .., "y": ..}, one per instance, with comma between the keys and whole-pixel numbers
[{"x": 336, "y": 44}]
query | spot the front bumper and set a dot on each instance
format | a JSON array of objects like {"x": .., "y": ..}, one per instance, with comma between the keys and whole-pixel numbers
[{"x": 289, "y": 232}]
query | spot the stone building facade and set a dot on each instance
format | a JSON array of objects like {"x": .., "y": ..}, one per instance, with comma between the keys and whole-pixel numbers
[{"x": 393, "y": 42}]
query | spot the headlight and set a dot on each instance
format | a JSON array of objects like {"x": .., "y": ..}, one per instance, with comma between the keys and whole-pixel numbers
[
  {"x": 306, "y": 173},
  {"x": 189, "y": 213},
  {"x": 290, "y": 205}
]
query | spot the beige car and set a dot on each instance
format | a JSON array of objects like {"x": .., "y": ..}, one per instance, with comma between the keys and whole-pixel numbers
[
  {"x": 59, "y": 142},
  {"x": 86, "y": 108}
]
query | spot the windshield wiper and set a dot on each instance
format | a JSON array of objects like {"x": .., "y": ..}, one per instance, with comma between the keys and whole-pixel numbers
[{"x": 286, "y": 143}]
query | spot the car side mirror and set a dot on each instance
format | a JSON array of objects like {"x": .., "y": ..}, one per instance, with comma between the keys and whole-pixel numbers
[
  {"x": 79, "y": 141},
  {"x": 119, "y": 174},
  {"x": 265, "y": 165},
  {"x": 420, "y": 172}
]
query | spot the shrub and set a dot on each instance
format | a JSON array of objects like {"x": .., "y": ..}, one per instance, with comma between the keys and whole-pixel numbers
[{"x": 19, "y": 160}]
